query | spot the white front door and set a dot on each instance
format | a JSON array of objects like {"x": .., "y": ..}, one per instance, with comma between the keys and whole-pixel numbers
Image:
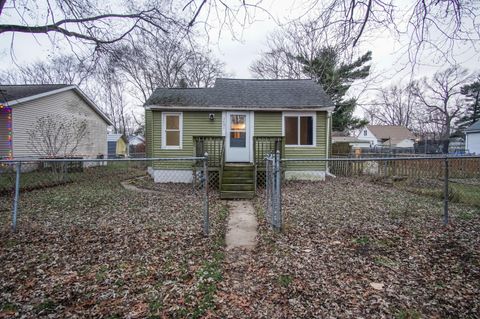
[{"x": 238, "y": 137}]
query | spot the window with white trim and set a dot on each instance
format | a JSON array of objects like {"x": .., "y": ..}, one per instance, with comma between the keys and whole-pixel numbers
[
  {"x": 299, "y": 130},
  {"x": 172, "y": 130}
]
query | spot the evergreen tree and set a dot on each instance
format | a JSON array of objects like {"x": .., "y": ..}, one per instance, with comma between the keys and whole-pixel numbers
[
  {"x": 336, "y": 78},
  {"x": 472, "y": 96}
]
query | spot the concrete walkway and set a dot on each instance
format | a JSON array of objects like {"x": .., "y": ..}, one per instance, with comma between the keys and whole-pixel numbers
[{"x": 242, "y": 225}]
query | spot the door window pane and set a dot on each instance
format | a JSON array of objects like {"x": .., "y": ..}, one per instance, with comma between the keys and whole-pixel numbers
[
  {"x": 237, "y": 122},
  {"x": 306, "y": 130},
  {"x": 238, "y": 126},
  {"x": 291, "y": 130},
  {"x": 173, "y": 138},
  {"x": 238, "y": 139}
]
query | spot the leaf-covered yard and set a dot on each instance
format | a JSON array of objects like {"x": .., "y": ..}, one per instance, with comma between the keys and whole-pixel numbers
[
  {"x": 350, "y": 248},
  {"x": 355, "y": 249},
  {"x": 93, "y": 249}
]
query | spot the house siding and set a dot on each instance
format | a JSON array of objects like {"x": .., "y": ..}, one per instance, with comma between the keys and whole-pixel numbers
[
  {"x": 265, "y": 124},
  {"x": 270, "y": 124},
  {"x": 317, "y": 151},
  {"x": 67, "y": 103},
  {"x": 148, "y": 132},
  {"x": 473, "y": 143},
  {"x": 195, "y": 123},
  {"x": 4, "y": 145},
  {"x": 121, "y": 147}
]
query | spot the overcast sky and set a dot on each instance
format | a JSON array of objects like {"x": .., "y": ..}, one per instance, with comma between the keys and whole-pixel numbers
[{"x": 238, "y": 54}]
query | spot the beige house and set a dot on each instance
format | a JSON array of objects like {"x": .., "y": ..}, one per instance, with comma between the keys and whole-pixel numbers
[
  {"x": 395, "y": 136},
  {"x": 22, "y": 105}
]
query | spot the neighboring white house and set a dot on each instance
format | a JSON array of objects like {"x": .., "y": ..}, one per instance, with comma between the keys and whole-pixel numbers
[
  {"x": 352, "y": 141},
  {"x": 22, "y": 105},
  {"x": 387, "y": 136},
  {"x": 472, "y": 138},
  {"x": 135, "y": 140}
]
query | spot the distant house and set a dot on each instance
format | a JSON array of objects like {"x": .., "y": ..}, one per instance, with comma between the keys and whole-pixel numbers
[
  {"x": 134, "y": 140},
  {"x": 117, "y": 145},
  {"x": 136, "y": 146},
  {"x": 352, "y": 141},
  {"x": 343, "y": 145},
  {"x": 394, "y": 136},
  {"x": 472, "y": 138},
  {"x": 22, "y": 105}
]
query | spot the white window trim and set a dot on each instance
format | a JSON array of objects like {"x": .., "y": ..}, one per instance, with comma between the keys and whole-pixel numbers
[
  {"x": 164, "y": 127},
  {"x": 314, "y": 117}
]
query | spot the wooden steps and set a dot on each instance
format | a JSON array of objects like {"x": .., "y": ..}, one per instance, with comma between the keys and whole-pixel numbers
[{"x": 238, "y": 181}]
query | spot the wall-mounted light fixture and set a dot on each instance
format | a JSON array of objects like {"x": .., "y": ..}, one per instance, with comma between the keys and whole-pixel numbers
[{"x": 211, "y": 116}]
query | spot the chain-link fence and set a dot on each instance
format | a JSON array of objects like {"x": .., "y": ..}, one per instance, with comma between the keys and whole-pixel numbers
[
  {"x": 34, "y": 190},
  {"x": 448, "y": 179},
  {"x": 273, "y": 184}
]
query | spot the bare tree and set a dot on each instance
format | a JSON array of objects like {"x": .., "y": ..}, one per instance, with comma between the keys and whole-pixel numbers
[
  {"x": 298, "y": 39},
  {"x": 111, "y": 93},
  {"x": 102, "y": 23},
  {"x": 57, "y": 135},
  {"x": 158, "y": 60},
  {"x": 153, "y": 60},
  {"x": 432, "y": 27},
  {"x": 64, "y": 69},
  {"x": 395, "y": 105},
  {"x": 202, "y": 69},
  {"x": 90, "y": 22},
  {"x": 442, "y": 99}
]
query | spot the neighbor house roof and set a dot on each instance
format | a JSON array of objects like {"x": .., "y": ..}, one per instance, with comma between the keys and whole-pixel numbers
[
  {"x": 348, "y": 139},
  {"x": 394, "y": 133},
  {"x": 10, "y": 93},
  {"x": 114, "y": 137},
  {"x": 15, "y": 94},
  {"x": 247, "y": 94},
  {"x": 475, "y": 127}
]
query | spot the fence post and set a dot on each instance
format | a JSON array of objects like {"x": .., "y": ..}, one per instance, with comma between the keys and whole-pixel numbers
[
  {"x": 268, "y": 189},
  {"x": 278, "y": 195},
  {"x": 17, "y": 194},
  {"x": 445, "y": 193},
  {"x": 206, "y": 217}
]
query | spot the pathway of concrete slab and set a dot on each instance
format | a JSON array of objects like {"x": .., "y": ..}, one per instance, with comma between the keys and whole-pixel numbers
[{"x": 242, "y": 225}]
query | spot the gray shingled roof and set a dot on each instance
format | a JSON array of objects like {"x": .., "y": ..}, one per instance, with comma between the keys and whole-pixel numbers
[
  {"x": 245, "y": 93},
  {"x": 474, "y": 127},
  {"x": 10, "y": 93}
]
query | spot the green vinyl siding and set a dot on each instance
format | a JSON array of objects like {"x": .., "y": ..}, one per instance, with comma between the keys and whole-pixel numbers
[
  {"x": 148, "y": 132},
  {"x": 317, "y": 151},
  {"x": 265, "y": 124},
  {"x": 270, "y": 124},
  {"x": 194, "y": 124}
]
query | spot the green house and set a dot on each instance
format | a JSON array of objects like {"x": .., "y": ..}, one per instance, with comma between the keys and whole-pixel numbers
[{"x": 238, "y": 123}]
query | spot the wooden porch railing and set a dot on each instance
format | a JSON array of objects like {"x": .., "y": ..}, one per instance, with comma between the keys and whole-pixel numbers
[
  {"x": 265, "y": 145},
  {"x": 214, "y": 146}
]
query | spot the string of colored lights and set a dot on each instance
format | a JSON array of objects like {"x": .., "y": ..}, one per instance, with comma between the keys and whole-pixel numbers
[{"x": 8, "y": 110}]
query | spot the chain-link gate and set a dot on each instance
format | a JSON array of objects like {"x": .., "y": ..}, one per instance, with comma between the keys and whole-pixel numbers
[{"x": 273, "y": 189}]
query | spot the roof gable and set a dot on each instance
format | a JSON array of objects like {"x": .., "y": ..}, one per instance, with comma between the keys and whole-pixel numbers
[
  {"x": 390, "y": 132},
  {"x": 16, "y": 94},
  {"x": 474, "y": 127},
  {"x": 10, "y": 93},
  {"x": 246, "y": 93}
]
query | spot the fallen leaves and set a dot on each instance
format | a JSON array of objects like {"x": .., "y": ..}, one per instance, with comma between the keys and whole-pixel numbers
[
  {"x": 93, "y": 249},
  {"x": 353, "y": 249}
]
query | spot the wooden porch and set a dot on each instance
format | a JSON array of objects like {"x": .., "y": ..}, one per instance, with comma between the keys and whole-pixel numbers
[{"x": 215, "y": 147}]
